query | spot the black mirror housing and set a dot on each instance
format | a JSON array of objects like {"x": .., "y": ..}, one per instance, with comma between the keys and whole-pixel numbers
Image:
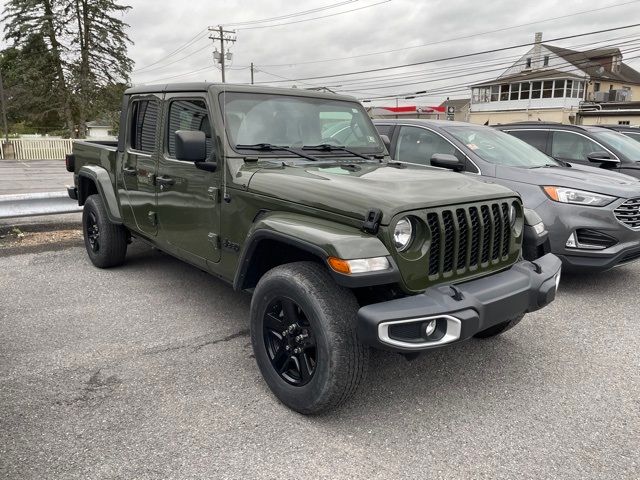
[
  {"x": 191, "y": 145},
  {"x": 446, "y": 160},
  {"x": 601, "y": 157}
]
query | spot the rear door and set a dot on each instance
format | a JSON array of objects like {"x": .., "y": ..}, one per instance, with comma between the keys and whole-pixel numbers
[
  {"x": 188, "y": 198},
  {"x": 140, "y": 163}
]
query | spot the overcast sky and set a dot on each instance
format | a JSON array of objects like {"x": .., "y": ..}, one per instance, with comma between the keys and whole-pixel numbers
[{"x": 158, "y": 27}]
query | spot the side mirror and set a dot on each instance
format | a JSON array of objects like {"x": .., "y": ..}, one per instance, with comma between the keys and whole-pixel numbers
[
  {"x": 446, "y": 160},
  {"x": 387, "y": 142},
  {"x": 191, "y": 145},
  {"x": 602, "y": 157}
]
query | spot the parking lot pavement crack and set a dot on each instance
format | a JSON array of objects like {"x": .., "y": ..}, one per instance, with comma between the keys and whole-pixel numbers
[
  {"x": 96, "y": 390},
  {"x": 198, "y": 344}
]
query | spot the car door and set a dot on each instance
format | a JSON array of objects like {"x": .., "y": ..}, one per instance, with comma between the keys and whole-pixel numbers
[
  {"x": 574, "y": 147},
  {"x": 188, "y": 197},
  {"x": 140, "y": 162}
]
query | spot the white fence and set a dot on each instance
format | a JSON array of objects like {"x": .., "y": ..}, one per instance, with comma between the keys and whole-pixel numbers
[{"x": 37, "y": 149}]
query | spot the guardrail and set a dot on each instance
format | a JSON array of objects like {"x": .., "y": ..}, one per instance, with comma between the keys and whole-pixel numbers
[{"x": 34, "y": 204}]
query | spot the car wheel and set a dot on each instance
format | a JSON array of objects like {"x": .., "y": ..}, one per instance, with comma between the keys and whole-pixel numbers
[
  {"x": 303, "y": 332},
  {"x": 106, "y": 242},
  {"x": 500, "y": 328}
]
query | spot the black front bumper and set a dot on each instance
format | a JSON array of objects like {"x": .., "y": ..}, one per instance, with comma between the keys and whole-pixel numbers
[{"x": 461, "y": 310}]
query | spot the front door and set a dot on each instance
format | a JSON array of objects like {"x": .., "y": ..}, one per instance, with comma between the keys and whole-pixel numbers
[
  {"x": 139, "y": 164},
  {"x": 188, "y": 198}
]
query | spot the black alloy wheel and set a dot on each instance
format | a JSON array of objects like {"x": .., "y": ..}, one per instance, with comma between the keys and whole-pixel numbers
[
  {"x": 289, "y": 341},
  {"x": 93, "y": 232}
]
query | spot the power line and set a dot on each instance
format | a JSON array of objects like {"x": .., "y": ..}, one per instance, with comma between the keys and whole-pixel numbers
[
  {"x": 455, "y": 57},
  {"x": 317, "y": 18},
  {"x": 290, "y": 15},
  {"x": 200, "y": 35},
  {"x": 450, "y": 39}
]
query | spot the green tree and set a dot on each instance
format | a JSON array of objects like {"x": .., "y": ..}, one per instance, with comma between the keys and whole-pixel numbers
[{"x": 86, "y": 41}]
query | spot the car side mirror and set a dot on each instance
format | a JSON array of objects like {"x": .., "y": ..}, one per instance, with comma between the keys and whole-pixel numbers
[
  {"x": 602, "y": 157},
  {"x": 386, "y": 141},
  {"x": 446, "y": 160},
  {"x": 191, "y": 145}
]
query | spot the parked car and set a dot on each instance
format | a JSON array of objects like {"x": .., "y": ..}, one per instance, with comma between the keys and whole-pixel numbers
[
  {"x": 593, "y": 215},
  {"x": 581, "y": 145},
  {"x": 632, "y": 132},
  {"x": 340, "y": 248}
]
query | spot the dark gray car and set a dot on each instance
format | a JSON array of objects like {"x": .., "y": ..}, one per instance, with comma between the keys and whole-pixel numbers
[{"x": 592, "y": 215}]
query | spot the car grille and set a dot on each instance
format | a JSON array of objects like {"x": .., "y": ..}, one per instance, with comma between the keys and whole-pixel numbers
[
  {"x": 468, "y": 238},
  {"x": 629, "y": 213}
]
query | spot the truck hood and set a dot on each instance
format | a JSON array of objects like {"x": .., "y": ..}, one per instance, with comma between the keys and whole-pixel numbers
[
  {"x": 353, "y": 191},
  {"x": 591, "y": 179}
]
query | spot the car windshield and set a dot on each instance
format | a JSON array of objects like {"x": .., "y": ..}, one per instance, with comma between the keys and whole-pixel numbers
[
  {"x": 623, "y": 144},
  {"x": 500, "y": 148},
  {"x": 296, "y": 122}
]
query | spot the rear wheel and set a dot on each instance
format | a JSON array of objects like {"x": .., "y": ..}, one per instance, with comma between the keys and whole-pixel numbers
[
  {"x": 303, "y": 331},
  {"x": 500, "y": 328},
  {"x": 106, "y": 242}
]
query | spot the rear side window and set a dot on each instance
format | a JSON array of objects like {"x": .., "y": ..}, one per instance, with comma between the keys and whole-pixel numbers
[
  {"x": 536, "y": 138},
  {"x": 144, "y": 120},
  {"x": 188, "y": 115}
]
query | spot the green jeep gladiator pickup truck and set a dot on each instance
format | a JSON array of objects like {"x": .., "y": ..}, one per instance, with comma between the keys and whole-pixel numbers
[{"x": 341, "y": 248}]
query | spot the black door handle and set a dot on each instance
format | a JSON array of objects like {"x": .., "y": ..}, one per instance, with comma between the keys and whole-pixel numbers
[
  {"x": 164, "y": 181},
  {"x": 130, "y": 171}
]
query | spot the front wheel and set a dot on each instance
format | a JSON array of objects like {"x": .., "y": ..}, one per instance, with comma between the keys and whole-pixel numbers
[
  {"x": 106, "y": 242},
  {"x": 303, "y": 331},
  {"x": 500, "y": 328}
]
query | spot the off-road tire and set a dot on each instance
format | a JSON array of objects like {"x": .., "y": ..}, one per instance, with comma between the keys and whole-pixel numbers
[
  {"x": 112, "y": 239},
  {"x": 331, "y": 311},
  {"x": 500, "y": 328}
]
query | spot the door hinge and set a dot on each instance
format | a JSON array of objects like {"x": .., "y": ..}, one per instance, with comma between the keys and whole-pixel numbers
[
  {"x": 153, "y": 218},
  {"x": 214, "y": 194},
  {"x": 215, "y": 240}
]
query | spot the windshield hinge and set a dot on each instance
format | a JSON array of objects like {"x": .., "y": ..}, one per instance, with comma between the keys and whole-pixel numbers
[{"x": 372, "y": 221}]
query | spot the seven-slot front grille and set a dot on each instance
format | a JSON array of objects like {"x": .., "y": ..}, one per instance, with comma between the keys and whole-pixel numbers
[
  {"x": 629, "y": 213},
  {"x": 467, "y": 238}
]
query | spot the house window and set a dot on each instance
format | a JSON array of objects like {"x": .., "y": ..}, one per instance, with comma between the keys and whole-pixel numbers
[
  {"x": 569, "y": 89},
  {"x": 581, "y": 90},
  {"x": 624, "y": 122},
  {"x": 558, "y": 89},
  {"x": 504, "y": 92},
  {"x": 528, "y": 62},
  {"x": 596, "y": 87},
  {"x": 495, "y": 93},
  {"x": 547, "y": 89},
  {"x": 536, "y": 89},
  {"x": 524, "y": 90},
  {"x": 515, "y": 91},
  {"x": 546, "y": 61}
]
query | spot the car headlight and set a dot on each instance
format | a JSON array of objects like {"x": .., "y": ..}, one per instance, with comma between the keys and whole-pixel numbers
[
  {"x": 403, "y": 234},
  {"x": 578, "y": 197}
]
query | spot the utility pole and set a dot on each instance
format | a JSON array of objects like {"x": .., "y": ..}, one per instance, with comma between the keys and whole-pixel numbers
[
  {"x": 251, "y": 73},
  {"x": 4, "y": 110},
  {"x": 222, "y": 36}
]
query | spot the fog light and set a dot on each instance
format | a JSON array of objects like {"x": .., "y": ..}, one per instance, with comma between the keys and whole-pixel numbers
[
  {"x": 571, "y": 242},
  {"x": 539, "y": 228},
  {"x": 557, "y": 281},
  {"x": 430, "y": 327}
]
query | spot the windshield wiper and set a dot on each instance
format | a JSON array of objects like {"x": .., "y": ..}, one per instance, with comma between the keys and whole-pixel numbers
[
  {"x": 327, "y": 147},
  {"x": 547, "y": 165},
  {"x": 267, "y": 147}
]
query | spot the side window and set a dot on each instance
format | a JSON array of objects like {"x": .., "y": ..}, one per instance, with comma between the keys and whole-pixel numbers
[
  {"x": 188, "y": 115},
  {"x": 535, "y": 138},
  {"x": 417, "y": 145},
  {"x": 571, "y": 146},
  {"x": 144, "y": 119}
]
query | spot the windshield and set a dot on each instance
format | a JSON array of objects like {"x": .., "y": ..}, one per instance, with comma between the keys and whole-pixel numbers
[
  {"x": 296, "y": 122},
  {"x": 500, "y": 148},
  {"x": 623, "y": 144}
]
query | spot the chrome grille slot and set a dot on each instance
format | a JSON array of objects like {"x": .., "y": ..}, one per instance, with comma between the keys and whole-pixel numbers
[{"x": 629, "y": 213}]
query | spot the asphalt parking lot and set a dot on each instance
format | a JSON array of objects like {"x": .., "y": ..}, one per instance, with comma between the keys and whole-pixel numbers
[{"x": 146, "y": 371}]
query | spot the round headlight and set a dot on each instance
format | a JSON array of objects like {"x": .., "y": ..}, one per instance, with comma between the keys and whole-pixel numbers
[{"x": 403, "y": 234}]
